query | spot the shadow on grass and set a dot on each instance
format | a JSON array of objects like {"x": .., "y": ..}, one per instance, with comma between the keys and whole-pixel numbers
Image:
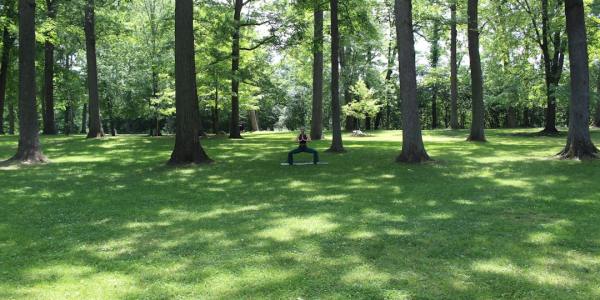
[{"x": 107, "y": 219}]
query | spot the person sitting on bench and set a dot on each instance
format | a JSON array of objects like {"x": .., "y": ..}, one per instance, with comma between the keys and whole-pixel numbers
[{"x": 303, "y": 140}]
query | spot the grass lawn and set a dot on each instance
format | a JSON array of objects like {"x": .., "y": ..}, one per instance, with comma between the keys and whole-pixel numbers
[{"x": 107, "y": 219}]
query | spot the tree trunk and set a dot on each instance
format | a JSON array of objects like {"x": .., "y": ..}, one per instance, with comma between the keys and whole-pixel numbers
[
  {"x": 413, "y": 150},
  {"x": 67, "y": 120},
  {"x": 4, "y": 61},
  {"x": 253, "y": 120},
  {"x": 215, "y": 121},
  {"x": 84, "y": 114},
  {"x": 453, "y": 70},
  {"x": 511, "y": 117},
  {"x": 526, "y": 121},
  {"x": 552, "y": 68},
  {"x": 336, "y": 143},
  {"x": 345, "y": 76},
  {"x": 478, "y": 117},
  {"x": 435, "y": 58},
  {"x": 69, "y": 108},
  {"x": 579, "y": 143},
  {"x": 111, "y": 119},
  {"x": 316, "y": 131},
  {"x": 234, "y": 128},
  {"x": 187, "y": 117},
  {"x": 48, "y": 90},
  {"x": 29, "y": 149},
  {"x": 597, "y": 116},
  {"x": 95, "y": 123},
  {"x": 11, "y": 118}
]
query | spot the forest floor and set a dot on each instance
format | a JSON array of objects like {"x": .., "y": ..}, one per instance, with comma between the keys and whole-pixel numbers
[{"x": 107, "y": 219}]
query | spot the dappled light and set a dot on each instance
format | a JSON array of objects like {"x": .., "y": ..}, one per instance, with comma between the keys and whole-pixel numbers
[{"x": 497, "y": 220}]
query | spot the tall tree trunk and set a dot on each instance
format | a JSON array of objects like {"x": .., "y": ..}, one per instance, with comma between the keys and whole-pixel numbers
[
  {"x": 84, "y": 115},
  {"x": 435, "y": 58},
  {"x": 345, "y": 52},
  {"x": 111, "y": 119},
  {"x": 453, "y": 70},
  {"x": 67, "y": 120},
  {"x": 336, "y": 143},
  {"x": 7, "y": 40},
  {"x": 388, "y": 77},
  {"x": 553, "y": 64},
  {"x": 478, "y": 117},
  {"x": 234, "y": 128},
  {"x": 597, "y": 115},
  {"x": 579, "y": 143},
  {"x": 215, "y": 121},
  {"x": 69, "y": 108},
  {"x": 511, "y": 117},
  {"x": 413, "y": 150},
  {"x": 48, "y": 90},
  {"x": 95, "y": 123},
  {"x": 29, "y": 149},
  {"x": 11, "y": 118},
  {"x": 316, "y": 131},
  {"x": 253, "y": 120},
  {"x": 187, "y": 116}
]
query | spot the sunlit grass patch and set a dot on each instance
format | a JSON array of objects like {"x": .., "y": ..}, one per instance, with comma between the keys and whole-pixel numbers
[{"x": 107, "y": 219}]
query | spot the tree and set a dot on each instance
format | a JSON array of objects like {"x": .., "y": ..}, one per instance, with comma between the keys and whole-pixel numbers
[
  {"x": 48, "y": 89},
  {"x": 336, "y": 143},
  {"x": 579, "y": 143},
  {"x": 478, "y": 117},
  {"x": 29, "y": 150},
  {"x": 187, "y": 117},
  {"x": 234, "y": 126},
  {"x": 7, "y": 43},
  {"x": 434, "y": 59},
  {"x": 553, "y": 61},
  {"x": 413, "y": 150},
  {"x": 316, "y": 132},
  {"x": 95, "y": 123},
  {"x": 366, "y": 106},
  {"x": 453, "y": 69},
  {"x": 597, "y": 111}
]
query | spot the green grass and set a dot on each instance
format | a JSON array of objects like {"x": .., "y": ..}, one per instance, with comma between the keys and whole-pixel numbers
[{"x": 107, "y": 219}]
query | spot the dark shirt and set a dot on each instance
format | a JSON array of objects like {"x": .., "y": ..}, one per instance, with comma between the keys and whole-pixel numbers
[{"x": 302, "y": 139}]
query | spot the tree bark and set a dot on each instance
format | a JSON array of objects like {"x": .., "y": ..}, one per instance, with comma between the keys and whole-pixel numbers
[
  {"x": 48, "y": 90},
  {"x": 187, "y": 117},
  {"x": 336, "y": 143},
  {"x": 597, "y": 115},
  {"x": 579, "y": 143},
  {"x": 69, "y": 108},
  {"x": 29, "y": 150},
  {"x": 316, "y": 131},
  {"x": 413, "y": 150},
  {"x": 453, "y": 70},
  {"x": 435, "y": 58},
  {"x": 215, "y": 120},
  {"x": 7, "y": 40},
  {"x": 95, "y": 123},
  {"x": 478, "y": 117},
  {"x": 234, "y": 128},
  {"x": 253, "y": 120},
  {"x": 111, "y": 119},
  {"x": 511, "y": 117},
  {"x": 11, "y": 118},
  {"x": 84, "y": 115},
  {"x": 345, "y": 53}
]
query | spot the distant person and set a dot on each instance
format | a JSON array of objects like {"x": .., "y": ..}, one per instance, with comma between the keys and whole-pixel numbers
[{"x": 303, "y": 140}]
